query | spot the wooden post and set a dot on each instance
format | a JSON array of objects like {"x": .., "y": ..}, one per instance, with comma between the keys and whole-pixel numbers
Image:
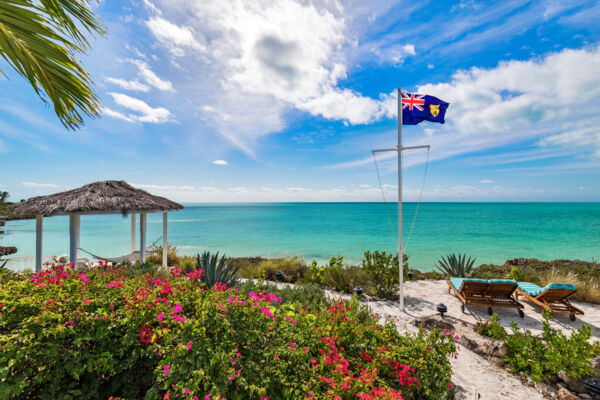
[
  {"x": 132, "y": 232},
  {"x": 165, "y": 244},
  {"x": 142, "y": 237},
  {"x": 38, "y": 242}
]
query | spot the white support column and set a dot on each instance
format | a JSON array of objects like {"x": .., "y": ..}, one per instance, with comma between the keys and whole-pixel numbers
[
  {"x": 77, "y": 236},
  {"x": 39, "y": 220},
  {"x": 73, "y": 234},
  {"x": 400, "y": 248},
  {"x": 132, "y": 232},
  {"x": 165, "y": 244},
  {"x": 142, "y": 237}
]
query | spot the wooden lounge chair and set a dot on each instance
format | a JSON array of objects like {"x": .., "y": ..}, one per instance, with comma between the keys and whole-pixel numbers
[
  {"x": 490, "y": 293},
  {"x": 554, "y": 297}
]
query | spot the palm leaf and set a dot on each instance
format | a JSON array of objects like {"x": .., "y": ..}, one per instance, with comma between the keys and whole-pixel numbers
[{"x": 40, "y": 40}]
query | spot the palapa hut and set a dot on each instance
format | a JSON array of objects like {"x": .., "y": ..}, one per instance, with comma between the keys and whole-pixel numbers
[{"x": 104, "y": 197}]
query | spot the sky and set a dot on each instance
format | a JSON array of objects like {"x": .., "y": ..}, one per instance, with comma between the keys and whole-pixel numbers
[{"x": 283, "y": 100}]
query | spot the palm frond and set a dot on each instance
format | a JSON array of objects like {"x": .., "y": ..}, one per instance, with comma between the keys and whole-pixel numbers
[{"x": 40, "y": 40}]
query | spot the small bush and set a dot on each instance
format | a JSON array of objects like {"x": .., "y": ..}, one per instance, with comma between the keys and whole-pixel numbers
[
  {"x": 383, "y": 272},
  {"x": 491, "y": 328},
  {"x": 544, "y": 356},
  {"x": 344, "y": 278},
  {"x": 155, "y": 256}
]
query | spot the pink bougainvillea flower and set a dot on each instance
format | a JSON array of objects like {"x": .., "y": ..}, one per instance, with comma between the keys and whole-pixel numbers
[
  {"x": 166, "y": 369},
  {"x": 292, "y": 345},
  {"x": 189, "y": 345},
  {"x": 177, "y": 308},
  {"x": 186, "y": 391},
  {"x": 276, "y": 356},
  {"x": 167, "y": 395},
  {"x": 160, "y": 316},
  {"x": 231, "y": 377}
]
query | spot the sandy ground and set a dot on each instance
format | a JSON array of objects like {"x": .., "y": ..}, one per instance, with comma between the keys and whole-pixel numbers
[{"x": 476, "y": 377}]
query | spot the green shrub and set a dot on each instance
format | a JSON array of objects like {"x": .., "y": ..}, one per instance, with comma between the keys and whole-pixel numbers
[
  {"x": 344, "y": 278},
  {"x": 383, "y": 272},
  {"x": 491, "y": 328},
  {"x": 68, "y": 334},
  {"x": 456, "y": 265},
  {"x": 543, "y": 356},
  {"x": 317, "y": 274},
  {"x": 155, "y": 256}
]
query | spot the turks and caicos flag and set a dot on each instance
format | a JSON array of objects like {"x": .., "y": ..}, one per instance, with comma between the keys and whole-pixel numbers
[{"x": 421, "y": 107}]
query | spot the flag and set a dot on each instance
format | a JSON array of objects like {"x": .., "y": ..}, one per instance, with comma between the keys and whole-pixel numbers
[{"x": 421, "y": 107}]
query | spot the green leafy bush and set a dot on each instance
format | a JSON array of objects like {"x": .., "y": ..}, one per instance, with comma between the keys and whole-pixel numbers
[
  {"x": 543, "y": 356},
  {"x": 383, "y": 272},
  {"x": 216, "y": 270},
  {"x": 344, "y": 278},
  {"x": 456, "y": 265},
  {"x": 69, "y": 334},
  {"x": 317, "y": 274},
  {"x": 491, "y": 328}
]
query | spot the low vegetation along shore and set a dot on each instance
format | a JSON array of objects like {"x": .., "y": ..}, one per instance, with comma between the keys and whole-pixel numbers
[{"x": 198, "y": 331}]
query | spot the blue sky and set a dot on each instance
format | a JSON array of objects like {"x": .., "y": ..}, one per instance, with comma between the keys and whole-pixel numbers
[{"x": 283, "y": 100}]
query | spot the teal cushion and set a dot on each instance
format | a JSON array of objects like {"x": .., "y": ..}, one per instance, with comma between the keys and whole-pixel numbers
[
  {"x": 557, "y": 285},
  {"x": 458, "y": 282},
  {"x": 530, "y": 288},
  {"x": 502, "y": 281}
]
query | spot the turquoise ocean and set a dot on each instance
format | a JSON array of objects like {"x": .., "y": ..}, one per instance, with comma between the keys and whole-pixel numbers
[{"x": 491, "y": 232}]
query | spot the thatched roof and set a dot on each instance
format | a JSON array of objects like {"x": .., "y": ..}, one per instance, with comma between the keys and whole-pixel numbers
[{"x": 102, "y": 197}]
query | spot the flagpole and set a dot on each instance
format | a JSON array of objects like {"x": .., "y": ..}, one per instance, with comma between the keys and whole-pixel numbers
[{"x": 400, "y": 249}]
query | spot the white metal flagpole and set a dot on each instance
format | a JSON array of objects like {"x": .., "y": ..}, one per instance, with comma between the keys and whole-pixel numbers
[{"x": 400, "y": 250}]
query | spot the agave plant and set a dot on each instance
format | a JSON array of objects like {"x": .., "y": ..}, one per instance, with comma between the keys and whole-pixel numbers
[
  {"x": 456, "y": 265},
  {"x": 216, "y": 269}
]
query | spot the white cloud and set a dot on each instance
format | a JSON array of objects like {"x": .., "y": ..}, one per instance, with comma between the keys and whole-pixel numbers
[
  {"x": 486, "y": 181},
  {"x": 39, "y": 185},
  {"x": 262, "y": 60},
  {"x": 148, "y": 114},
  {"x": 344, "y": 194},
  {"x": 220, "y": 162},
  {"x": 129, "y": 85},
  {"x": 175, "y": 37},
  {"x": 582, "y": 188},
  {"x": 115, "y": 114},
  {"x": 151, "y": 78}
]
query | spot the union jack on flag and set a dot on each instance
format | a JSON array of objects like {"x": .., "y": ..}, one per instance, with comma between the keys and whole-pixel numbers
[
  {"x": 421, "y": 107},
  {"x": 413, "y": 100}
]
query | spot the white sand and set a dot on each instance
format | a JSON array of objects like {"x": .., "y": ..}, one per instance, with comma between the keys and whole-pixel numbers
[{"x": 475, "y": 376}]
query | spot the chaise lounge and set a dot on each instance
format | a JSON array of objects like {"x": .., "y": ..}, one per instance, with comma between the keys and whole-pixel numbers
[
  {"x": 482, "y": 292},
  {"x": 554, "y": 297}
]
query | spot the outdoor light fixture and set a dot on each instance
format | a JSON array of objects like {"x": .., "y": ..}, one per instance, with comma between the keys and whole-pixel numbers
[
  {"x": 410, "y": 275},
  {"x": 279, "y": 276},
  {"x": 358, "y": 290},
  {"x": 442, "y": 309}
]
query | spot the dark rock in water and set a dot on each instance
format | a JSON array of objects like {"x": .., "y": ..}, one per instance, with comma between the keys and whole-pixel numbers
[
  {"x": 4, "y": 251},
  {"x": 2, "y": 222}
]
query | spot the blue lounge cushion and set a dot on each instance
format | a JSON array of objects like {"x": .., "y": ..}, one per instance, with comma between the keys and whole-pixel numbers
[
  {"x": 530, "y": 288},
  {"x": 534, "y": 290},
  {"x": 458, "y": 282},
  {"x": 502, "y": 281}
]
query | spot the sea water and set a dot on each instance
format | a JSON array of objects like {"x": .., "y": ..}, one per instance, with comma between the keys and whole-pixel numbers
[{"x": 491, "y": 232}]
